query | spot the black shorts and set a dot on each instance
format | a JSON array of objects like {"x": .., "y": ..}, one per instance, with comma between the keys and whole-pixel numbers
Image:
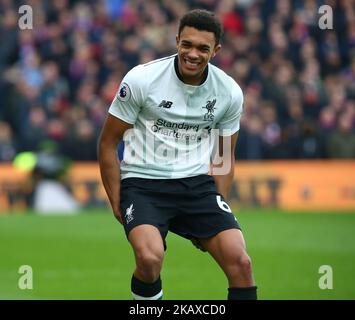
[{"x": 190, "y": 207}]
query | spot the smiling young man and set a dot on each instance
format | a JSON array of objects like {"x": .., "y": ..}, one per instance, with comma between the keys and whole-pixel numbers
[{"x": 166, "y": 112}]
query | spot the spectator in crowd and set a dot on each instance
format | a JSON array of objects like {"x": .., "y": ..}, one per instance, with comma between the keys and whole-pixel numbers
[
  {"x": 311, "y": 144},
  {"x": 7, "y": 143},
  {"x": 341, "y": 143},
  {"x": 67, "y": 68},
  {"x": 33, "y": 130},
  {"x": 81, "y": 143}
]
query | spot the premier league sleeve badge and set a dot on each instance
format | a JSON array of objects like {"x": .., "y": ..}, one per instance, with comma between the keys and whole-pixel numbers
[{"x": 124, "y": 92}]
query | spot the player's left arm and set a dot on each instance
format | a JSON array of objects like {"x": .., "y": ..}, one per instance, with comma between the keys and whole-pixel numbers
[{"x": 223, "y": 172}]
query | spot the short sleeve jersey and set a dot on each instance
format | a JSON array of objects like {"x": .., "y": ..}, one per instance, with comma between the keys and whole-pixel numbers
[{"x": 174, "y": 124}]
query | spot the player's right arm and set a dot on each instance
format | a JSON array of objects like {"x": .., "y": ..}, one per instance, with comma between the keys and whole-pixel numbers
[
  {"x": 111, "y": 135},
  {"x": 122, "y": 115}
]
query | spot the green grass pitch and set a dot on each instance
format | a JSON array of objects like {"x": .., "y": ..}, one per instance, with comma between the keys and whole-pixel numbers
[{"x": 86, "y": 256}]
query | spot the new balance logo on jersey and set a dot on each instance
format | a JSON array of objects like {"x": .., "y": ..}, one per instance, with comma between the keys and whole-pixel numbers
[
  {"x": 165, "y": 104},
  {"x": 210, "y": 106},
  {"x": 129, "y": 214}
]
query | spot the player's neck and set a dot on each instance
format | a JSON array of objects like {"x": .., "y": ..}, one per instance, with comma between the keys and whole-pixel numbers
[{"x": 193, "y": 81}]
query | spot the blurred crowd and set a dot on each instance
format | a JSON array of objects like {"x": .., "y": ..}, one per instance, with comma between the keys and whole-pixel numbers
[{"x": 58, "y": 80}]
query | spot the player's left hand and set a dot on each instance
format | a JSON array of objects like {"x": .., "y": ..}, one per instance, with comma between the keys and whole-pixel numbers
[{"x": 197, "y": 244}]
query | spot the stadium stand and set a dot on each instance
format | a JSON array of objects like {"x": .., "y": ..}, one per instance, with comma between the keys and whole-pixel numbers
[{"x": 57, "y": 80}]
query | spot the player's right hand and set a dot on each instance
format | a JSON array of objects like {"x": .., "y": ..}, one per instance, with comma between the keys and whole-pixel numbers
[{"x": 118, "y": 216}]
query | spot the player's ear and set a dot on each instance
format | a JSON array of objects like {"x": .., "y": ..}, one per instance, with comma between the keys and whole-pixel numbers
[
  {"x": 177, "y": 40},
  {"x": 216, "y": 49}
]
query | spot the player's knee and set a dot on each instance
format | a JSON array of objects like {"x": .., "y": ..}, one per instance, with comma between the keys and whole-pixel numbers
[
  {"x": 239, "y": 264},
  {"x": 244, "y": 263},
  {"x": 149, "y": 261},
  {"x": 149, "y": 267}
]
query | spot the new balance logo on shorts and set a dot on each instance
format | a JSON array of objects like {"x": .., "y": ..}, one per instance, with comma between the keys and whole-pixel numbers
[{"x": 129, "y": 214}]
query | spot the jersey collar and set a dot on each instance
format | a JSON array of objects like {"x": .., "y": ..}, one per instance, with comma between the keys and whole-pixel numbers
[{"x": 176, "y": 66}]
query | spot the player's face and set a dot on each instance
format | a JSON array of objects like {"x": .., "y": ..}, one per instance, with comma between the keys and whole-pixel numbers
[{"x": 195, "y": 49}]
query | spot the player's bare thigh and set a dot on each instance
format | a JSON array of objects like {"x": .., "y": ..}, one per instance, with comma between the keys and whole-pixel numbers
[
  {"x": 146, "y": 237},
  {"x": 228, "y": 249},
  {"x": 148, "y": 248},
  {"x": 225, "y": 245}
]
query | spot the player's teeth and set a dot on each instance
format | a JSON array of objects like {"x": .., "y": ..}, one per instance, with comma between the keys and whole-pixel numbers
[{"x": 190, "y": 63}]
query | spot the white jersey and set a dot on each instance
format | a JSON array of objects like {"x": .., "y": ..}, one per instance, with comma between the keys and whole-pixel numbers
[{"x": 173, "y": 122}]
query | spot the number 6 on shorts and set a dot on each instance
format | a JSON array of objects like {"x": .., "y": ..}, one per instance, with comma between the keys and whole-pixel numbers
[{"x": 223, "y": 205}]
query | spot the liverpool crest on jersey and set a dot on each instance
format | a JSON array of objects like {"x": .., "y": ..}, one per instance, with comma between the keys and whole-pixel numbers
[{"x": 210, "y": 107}]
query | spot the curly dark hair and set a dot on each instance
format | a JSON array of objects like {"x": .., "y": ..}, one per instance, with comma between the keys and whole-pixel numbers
[{"x": 202, "y": 20}]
